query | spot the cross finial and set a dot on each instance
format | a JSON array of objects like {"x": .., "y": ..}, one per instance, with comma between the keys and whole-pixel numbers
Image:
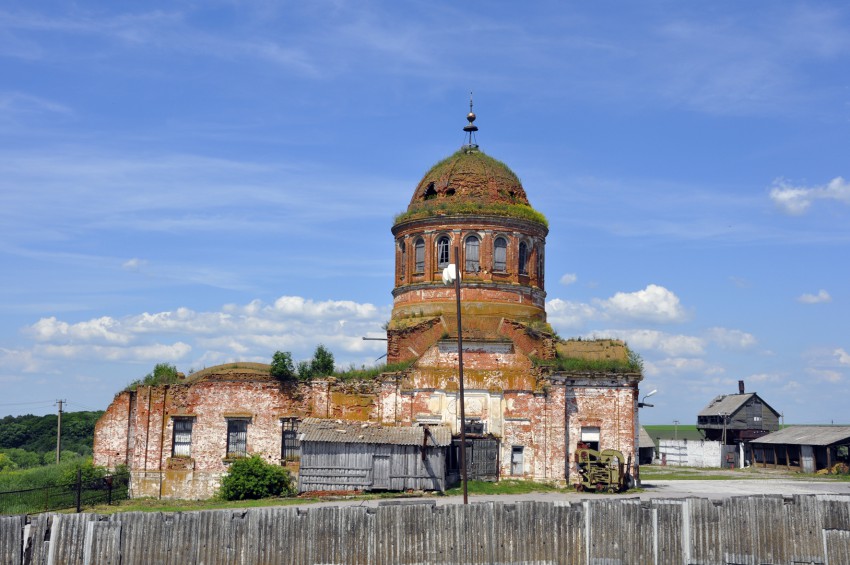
[{"x": 470, "y": 128}]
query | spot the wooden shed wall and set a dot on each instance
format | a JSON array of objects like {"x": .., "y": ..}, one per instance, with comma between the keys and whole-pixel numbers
[{"x": 363, "y": 466}]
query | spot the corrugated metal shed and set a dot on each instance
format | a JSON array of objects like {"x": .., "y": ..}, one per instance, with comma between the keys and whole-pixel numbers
[
  {"x": 346, "y": 431},
  {"x": 807, "y": 435},
  {"x": 725, "y": 404}
]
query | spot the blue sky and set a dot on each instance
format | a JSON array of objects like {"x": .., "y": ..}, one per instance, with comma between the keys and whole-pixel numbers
[{"x": 201, "y": 182}]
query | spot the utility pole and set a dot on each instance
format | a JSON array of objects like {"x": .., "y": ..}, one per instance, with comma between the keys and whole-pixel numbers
[{"x": 59, "y": 430}]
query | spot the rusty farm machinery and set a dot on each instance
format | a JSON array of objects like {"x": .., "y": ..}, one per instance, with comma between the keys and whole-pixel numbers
[{"x": 605, "y": 471}]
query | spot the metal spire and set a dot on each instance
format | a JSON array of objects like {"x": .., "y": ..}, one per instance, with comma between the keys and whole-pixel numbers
[{"x": 470, "y": 129}]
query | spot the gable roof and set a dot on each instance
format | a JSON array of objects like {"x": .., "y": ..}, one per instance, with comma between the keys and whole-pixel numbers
[
  {"x": 644, "y": 439},
  {"x": 348, "y": 431},
  {"x": 730, "y": 403},
  {"x": 807, "y": 435}
]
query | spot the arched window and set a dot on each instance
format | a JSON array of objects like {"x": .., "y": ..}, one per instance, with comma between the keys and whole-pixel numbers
[
  {"x": 419, "y": 255},
  {"x": 403, "y": 266},
  {"x": 471, "y": 253},
  {"x": 523, "y": 258},
  {"x": 500, "y": 255},
  {"x": 443, "y": 252}
]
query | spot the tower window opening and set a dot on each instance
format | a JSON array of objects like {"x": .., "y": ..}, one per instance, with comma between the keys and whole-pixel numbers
[
  {"x": 419, "y": 255},
  {"x": 443, "y": 252},
  {"x": 523, "y": 258},
  {"x": 450, "y": 192},
  {"x": 403, "y": 265},
  {"x": 430, "y": 192},
  {"x": 500, "y": 255},
  {"x": 471, "y": 250}
]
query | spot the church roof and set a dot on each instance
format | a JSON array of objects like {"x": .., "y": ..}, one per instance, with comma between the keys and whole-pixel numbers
[
  {"x": 470, "y": 182},
  {"x": 470, "y": 175}
]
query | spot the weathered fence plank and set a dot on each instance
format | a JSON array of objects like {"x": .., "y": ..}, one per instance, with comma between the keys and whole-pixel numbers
[{"x": 606, "y": 531}]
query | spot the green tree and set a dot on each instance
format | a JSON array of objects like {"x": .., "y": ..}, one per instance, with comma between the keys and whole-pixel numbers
[
  {"x": 283, "y": 368},
  {"x": 6, "y": 463},
  {"x": 252, "y": 478},
  {"x": 305, "y": 372},
  {"x": 322, "y": 363},
  {"x": 162, "y": 374}
]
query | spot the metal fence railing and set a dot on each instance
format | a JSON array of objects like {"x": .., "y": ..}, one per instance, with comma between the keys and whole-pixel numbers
[{"x": 77, "y": 494}]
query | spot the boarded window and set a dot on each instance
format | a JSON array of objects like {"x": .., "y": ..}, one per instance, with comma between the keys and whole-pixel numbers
[
  {"x": 517, "y": 467},
  {"x": 500, "y": 255},
  {"x": 419, "y": 252},
  {"x": 237, "y": 437},
  {"x": 523, "y": 258},
  {"x": 181, "y": 445},
  {"x": 471, "y": 253},
  {"x": 403, "y": 266},
  {"x": 291, "y": 447},
  {"x": 443, "y": 252}
]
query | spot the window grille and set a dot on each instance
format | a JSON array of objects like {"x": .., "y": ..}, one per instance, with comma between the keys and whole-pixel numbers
[
  {"x": 181, "y": 445},
  {"x": 419, "y": 252},
  {"x": 237, "y": 438},
  {"x": 471, "y": 254},
  {"x": 443, "y": 252},
  {"x": 500, "y": 255},
  {"x": 523, "y": 258},
  {"x": 290, "y": 446}
]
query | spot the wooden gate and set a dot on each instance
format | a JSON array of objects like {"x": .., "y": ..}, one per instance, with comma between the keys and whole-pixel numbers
[{"x": 482, "y": 458}]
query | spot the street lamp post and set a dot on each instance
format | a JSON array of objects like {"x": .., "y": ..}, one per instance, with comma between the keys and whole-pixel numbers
[{"x": 452, "y": 274}]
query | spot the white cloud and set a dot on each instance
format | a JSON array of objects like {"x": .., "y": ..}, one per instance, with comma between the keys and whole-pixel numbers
[
  {"x": 843, "y": 356},
  {"x": 569, "y": 315},
  {"x": 826, "y": 375},
  {"x": 731, "y": 339},
  {"x": 236, "y": 332},
  {"x": 820, "y": 297},
  {"x": 654, "y": 303},
  {"x": 133, "y": 264},
  {"x": 568, "y": 279},
  {"x": 763, "y": 378},
  {"x": 669, "y": 344},
  {"x": 796, "y": 200}
]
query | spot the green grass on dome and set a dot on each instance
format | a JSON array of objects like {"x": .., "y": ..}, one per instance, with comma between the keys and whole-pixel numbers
[{"x": 433, "y": 209}]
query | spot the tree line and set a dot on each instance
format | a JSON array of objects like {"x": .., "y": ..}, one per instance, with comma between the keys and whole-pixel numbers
[{"x": 29, "y": 441}]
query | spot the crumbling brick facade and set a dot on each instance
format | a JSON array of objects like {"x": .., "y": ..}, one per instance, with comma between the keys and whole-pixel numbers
[{"x": 514, "y": 393}]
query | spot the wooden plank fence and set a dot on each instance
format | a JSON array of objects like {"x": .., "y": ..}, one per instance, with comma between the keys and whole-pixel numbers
[{"x": 743, "y": 530}]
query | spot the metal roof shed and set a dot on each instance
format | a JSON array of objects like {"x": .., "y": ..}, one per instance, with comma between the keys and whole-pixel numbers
[
  {"x": 342, "y": 455},
  {"x": 807, "y": 448}
]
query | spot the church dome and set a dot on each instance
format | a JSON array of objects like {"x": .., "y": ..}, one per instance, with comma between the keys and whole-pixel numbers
[{"x": 469, "y": 176}]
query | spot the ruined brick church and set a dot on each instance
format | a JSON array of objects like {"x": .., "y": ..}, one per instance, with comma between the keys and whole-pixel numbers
[{"x": 531, "y": 397}]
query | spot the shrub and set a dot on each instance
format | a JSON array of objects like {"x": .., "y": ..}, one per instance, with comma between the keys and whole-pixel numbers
[
  {"x": 162, "y": 374},
  {"x": 89, "y": 472},
  {"x": 282, "y": 366},
  {"x": 252, "y": 478}
]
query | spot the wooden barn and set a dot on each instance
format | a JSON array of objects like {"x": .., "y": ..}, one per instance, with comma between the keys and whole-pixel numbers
[
  {"x": 737, "y": 418},
  {"x": 338, "y": 455},
  {"x": 803, "y": 448}
]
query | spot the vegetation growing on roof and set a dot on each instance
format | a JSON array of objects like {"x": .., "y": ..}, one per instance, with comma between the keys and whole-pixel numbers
[
  {"x": 367, "y": 373},
  {"x": 283, "y": 367},
  {"x": 432, "y": 209},
  {"x": 162, "y": 374},
  {"x": 478, "y": 155},
  {"x": 634, "y": 364}
]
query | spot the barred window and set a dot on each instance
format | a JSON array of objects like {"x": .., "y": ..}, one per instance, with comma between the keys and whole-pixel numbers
[
  {"x": 443, "y": 252},
  {"x": 403, "y": 266},
  {"x": 237, "y": 437},
  {"x": 523, "y": 258},
  {"x": 500, "y": 255},
  {"x": 419, "y": 255},
  {"x": 181, "y": 444},
  {"x": 471, "y": 254},
  {"x": 290, "y": 446}
]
